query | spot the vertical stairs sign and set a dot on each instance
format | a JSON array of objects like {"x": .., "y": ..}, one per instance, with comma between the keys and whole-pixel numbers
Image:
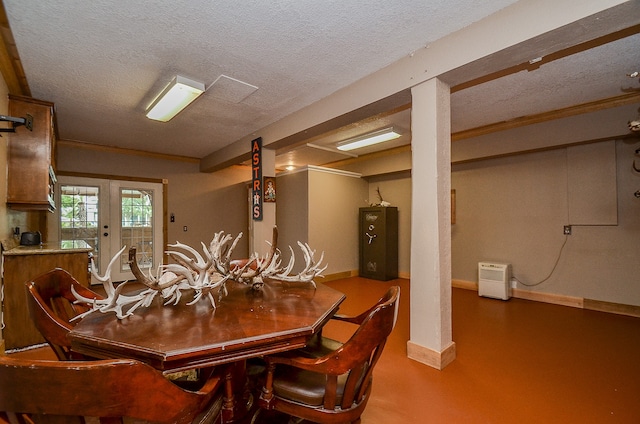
[{"x": 256, "y": 171}]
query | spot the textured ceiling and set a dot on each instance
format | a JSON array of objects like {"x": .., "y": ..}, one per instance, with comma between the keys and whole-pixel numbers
[
  {"x": 102, "y": 62},
  {"x": 591, "y": 75}
]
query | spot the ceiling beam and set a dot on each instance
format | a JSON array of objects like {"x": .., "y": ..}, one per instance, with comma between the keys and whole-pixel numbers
[{"x": 562, "y": 53}]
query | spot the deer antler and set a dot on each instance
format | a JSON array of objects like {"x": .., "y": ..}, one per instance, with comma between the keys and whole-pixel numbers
[
  {"x": 115, "y": 300},
  {"x": 310, "y": 271},
  {"x": 201, "y": 273}
]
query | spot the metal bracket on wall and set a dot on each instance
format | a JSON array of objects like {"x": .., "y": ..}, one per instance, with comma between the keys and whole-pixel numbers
[{"x": 16, "y": 122}]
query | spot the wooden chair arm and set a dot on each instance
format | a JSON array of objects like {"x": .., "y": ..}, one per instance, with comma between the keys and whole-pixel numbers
[
  {"x": 294, "y": 361},
  {"x": 347, "y": 318},
  {"x": 212, "y": 383},
  {"x": 326, "y": 364}
]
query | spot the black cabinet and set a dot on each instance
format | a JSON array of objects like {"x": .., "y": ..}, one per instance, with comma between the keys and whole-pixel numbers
[{"x": 379, "y": 243}]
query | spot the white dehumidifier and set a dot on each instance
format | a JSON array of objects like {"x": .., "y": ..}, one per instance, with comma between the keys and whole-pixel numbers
[{"x": 494, "y": 280}]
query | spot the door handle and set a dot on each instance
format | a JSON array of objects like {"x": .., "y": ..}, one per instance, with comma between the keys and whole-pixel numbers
[{"x": 105, "y": 234}]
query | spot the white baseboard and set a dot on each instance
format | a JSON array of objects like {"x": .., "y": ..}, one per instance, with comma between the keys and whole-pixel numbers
[
  {"x": 430, "y": 357},
  {"x": 558, "y": 299}
]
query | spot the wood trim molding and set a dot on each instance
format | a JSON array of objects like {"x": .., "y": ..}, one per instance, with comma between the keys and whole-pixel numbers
[
  {"x": 403, "y": 275},
  {"x": 340, "y": 275},
  {"x": 430, "y": 357},
  {"x": 120, "y": 150},
  {"x": 610, "y": 307},
  {"x": 557, "y": 299},
  {"x": 10, "y": 64},
  {"x": 546, "y": 149},
  {"x": 163, "y": 181},
  {"x": 621, "y": 100},
  {"x": 466, "y": 285}
]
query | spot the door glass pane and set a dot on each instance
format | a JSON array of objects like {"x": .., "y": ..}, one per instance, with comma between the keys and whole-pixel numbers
[
  {"x": 79, "y": 216},
  {"x": 137, "y": 226}
]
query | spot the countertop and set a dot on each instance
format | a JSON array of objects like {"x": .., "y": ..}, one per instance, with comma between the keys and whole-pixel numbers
[{"x": 64, "y": 246}]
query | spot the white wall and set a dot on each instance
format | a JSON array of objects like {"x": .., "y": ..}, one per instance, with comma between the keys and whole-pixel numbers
[
  {"x": 292, "y": 210},
  {"x": 514, "y": 209},
  {"x": 334, "y": 202},
  {"x": 320, "y": 207}
]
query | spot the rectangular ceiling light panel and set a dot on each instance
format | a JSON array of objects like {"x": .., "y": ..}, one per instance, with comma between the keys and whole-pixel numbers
[
  {"x": 175, "y": 97},
  {"x": 368, "y": 139}
]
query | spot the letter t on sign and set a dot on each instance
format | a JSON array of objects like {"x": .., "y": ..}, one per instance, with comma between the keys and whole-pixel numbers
[{"x": 256, "y": 168}]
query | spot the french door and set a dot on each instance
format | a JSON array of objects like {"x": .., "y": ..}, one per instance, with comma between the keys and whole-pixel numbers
[{"x": 108, "y": 215}]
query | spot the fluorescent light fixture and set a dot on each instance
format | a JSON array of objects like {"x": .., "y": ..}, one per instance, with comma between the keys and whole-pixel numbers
[
  {"x": 176, "y": 96},
  {"x": 368, "y": 139}
]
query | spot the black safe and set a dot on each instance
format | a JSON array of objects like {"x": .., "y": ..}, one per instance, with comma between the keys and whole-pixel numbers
[{"x": 379, "y": 243}]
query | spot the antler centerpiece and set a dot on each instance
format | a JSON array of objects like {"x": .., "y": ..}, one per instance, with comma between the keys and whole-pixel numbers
[{"x": 203, "y": 275}]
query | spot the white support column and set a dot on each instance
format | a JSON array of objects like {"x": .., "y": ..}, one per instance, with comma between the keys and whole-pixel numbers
[
  {"x": 431, "y": 337},
  {"x": 262, "y": 230}
]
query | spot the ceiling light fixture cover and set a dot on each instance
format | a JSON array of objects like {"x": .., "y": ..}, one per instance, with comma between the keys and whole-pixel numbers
[
  {"x": 368, "y": 139},
  {"x": 176, "y": 96}
]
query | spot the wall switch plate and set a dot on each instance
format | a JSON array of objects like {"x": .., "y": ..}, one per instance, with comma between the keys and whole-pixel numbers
[{"x": 567, "y": 230}]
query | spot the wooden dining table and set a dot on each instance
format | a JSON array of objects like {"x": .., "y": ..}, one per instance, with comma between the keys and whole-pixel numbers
[{"x": 246, "y": 323}]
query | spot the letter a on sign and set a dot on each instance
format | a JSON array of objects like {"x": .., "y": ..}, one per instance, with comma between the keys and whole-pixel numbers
[{"x": 256, "y": 172}]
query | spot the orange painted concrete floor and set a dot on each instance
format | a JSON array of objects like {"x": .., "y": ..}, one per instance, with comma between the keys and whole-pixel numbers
[{"x": 517, "y": 361}]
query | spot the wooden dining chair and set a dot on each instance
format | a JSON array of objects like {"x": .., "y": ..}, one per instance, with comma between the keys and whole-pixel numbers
[
  {"x": 330, "y": 382},
  {"x": 69, "y": 391},
  {"x": 52, "y": 306}
]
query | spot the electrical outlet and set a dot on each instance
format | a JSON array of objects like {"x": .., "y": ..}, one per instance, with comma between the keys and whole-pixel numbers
[{"x": 567, "y": 230}]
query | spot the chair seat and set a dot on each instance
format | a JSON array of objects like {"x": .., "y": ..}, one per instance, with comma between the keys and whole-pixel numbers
[{"x": 304, "y": 386}]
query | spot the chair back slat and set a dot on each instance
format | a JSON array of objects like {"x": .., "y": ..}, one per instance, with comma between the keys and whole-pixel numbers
[{"x": 52, "y": 306}]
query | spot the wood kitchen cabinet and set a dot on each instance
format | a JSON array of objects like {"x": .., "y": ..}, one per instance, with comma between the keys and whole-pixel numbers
[
  {"x": 31, "y": 165},
  {"x": 23, "y": 263}
]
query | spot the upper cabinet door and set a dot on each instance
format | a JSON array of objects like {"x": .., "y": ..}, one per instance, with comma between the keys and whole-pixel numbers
[{"x": 31, "y": 167}]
